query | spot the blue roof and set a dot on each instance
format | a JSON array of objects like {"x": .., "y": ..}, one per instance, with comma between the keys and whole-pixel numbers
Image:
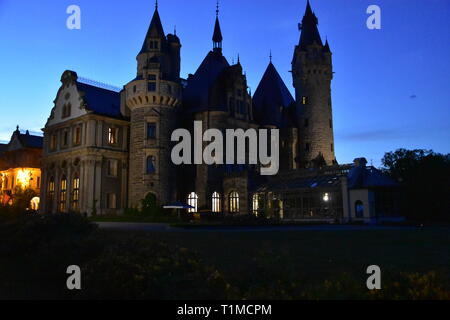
[
  {"x": 101, "y": 101},
  {"x": 367, "y": 177},
  {"x": 198, "y": 90},
  {"x": 30, "y": 141},
  {"x": 270, "y": 98}
]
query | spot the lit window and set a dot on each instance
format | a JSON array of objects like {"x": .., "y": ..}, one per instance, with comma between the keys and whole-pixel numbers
[
  {"x": 216, "y": 202},
  {"x": 76, "y": 193},
  {"x": 304, "y": 100},
  {"x": 234, "y": 202},
  {"x": 193, "y": 202},
  {"x": 255, "y": 204},
  {"x": 112, "y": 135},
  {"x": 151, "y": 130},
  {"x": 63, "y": 195}
]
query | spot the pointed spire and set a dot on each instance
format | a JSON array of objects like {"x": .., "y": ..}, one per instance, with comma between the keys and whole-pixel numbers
[
  {"x": 270, "y": 56},
  {"x": 310, "y": 32},
  {"x": 239, "y": 59},
  {"x": 155, "y": 31},
  {"x": 217, "y": 36},
  {"x": 326, "y": 48}
]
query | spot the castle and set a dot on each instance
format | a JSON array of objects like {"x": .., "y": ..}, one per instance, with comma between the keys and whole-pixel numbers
[{"x": 105, "y": 150}]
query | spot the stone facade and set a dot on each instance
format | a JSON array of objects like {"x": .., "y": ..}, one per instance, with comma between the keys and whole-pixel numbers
[{"x": 105, "y": 150}]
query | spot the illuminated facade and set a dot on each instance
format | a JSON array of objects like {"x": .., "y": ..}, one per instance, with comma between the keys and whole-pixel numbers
[{"x": 20, "y": 163}]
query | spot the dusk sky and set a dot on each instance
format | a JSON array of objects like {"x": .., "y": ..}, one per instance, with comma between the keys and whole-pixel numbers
[{"x": 391, "y": 87}]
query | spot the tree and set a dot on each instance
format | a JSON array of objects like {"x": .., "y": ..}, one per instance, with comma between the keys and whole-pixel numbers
[{"x": 425, "y": 177}]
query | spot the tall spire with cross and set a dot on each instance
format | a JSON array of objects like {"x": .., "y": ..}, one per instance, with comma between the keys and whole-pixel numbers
[{"x": 217, "y": 36}]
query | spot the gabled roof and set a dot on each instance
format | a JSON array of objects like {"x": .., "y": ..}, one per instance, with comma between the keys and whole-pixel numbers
[
  {"x": 310, "y": 32},
  {"x": 31, "y": 141},
  {"x": 198, "y": 90},
  {"x": 270, "y": 98},
  {"x": 101, "y": 101},
  {"x": 360, "y": 177},
  {"x": 155, "y": 31}
]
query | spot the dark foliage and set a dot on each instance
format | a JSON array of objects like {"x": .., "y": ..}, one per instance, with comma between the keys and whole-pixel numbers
[{"x": 425, "y": 177}]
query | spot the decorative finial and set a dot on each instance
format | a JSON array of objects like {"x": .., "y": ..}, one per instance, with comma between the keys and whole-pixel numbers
[
  {"x": 239, "y": 59},
  {"x": 17, "y": 128},
  {"x": 156, "y": 4},
  {"x": 270, "y": 56},
  {"x": 175, "y": 30},
  {"x": 217, "y": 8}
]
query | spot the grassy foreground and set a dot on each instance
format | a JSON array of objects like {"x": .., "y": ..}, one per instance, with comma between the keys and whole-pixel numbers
[{"x": 35, "y": 252}]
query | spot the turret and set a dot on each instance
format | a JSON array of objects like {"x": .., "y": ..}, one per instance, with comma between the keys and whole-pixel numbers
[
  {"x": 312, "y": 73},
  {"x": 153, "y": 98}
]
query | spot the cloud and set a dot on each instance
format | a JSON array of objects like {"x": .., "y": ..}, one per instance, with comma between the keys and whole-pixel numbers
[{"x": 372, "y": 135}]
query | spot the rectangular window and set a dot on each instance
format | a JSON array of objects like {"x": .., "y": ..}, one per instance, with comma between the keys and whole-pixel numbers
[
  {"x": 65, "y": 140},
  {"x": 53, "y": 141},
  {"x": 111, "y": 202},
  {"x": 152, "y": 86},
  {"x": 304, "y": 100},
  {"x": 112, "y": 135},
  {"x": 76, "y": 194},
  {"x": 151, "y": 130},
  {"x": 77, "y": 136},
  {"x": 152, "y": 77},
  {"x": 112, "y": 167}
]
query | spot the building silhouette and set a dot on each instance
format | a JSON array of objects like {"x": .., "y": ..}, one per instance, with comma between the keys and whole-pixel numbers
[{"x": 115, "y": 147}]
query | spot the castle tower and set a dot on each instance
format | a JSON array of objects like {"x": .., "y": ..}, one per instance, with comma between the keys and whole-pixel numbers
[
  {"x": 153, "y": 99},
  {"x": 312, "y": 72}
]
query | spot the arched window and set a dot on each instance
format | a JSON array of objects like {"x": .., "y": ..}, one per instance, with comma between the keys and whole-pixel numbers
[
  {"x": 234, "y": 202},
  {"x": 216, "y": 207},
  {"x": 359, "y": 209},
  {"x": 76, "y": 193},
  {"x": 34, "y": 203},
  {"x": 63, "y": 194},
  {"x": 255, "y": 204},
  {"x": 193, "y": 202},
  {"x": 151, "y": 165}
]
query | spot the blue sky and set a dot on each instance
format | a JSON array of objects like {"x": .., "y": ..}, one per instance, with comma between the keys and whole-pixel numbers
[{"x": 391, "y": 87}]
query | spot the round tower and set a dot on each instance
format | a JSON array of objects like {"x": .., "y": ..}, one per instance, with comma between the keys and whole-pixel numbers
[
  {"x": 312, "y": 72},
  {"x": 153, "y": 99}
]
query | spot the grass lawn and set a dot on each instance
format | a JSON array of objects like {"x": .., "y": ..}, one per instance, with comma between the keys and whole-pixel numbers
[{"x": 317, "y": 255}]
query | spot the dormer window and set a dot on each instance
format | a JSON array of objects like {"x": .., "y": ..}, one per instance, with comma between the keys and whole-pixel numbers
[
  {"x": 66, "y": 111},
  {"x": 154, "y": 45}
]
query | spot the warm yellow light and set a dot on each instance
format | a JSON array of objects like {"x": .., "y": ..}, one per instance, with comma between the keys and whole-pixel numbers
[
  {"x": 326, "y": 197},
  {"x": 23, "y": 177}
]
